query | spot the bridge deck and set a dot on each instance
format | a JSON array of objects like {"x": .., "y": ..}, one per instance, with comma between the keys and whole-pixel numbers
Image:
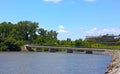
[{"x": 67, "y": 48}]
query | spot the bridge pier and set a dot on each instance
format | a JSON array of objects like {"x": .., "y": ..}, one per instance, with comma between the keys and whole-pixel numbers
[
  {"x": 29, "y": 48},
  {"x": 69, "y": 51},
  {"x": 38, "y": 49},
  {"x": 89, "y": 52},
  {"x": 52, "y": 50}
]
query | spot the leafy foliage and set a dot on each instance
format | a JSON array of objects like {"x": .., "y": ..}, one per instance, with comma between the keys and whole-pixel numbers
[{"x": 13, "y": 36}]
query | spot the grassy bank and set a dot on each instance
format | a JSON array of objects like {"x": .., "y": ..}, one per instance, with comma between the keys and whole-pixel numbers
[{"x": 102, "y": 46}]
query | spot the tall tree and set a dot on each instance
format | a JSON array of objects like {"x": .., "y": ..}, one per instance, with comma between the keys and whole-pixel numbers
[
  {"x": 27, "y": 30},
  {"x": 5, "y": 28},
  {"x": 78, "y": 43},
  {"x": 42, "y": 36},
  {"x": 52, "y": 37}
]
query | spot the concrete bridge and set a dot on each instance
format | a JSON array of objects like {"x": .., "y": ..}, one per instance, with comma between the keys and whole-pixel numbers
[{"x": 68, "y": 49}]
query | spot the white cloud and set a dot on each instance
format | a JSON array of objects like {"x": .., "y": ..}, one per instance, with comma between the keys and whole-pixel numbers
[
  {"x": 62, "y": 30},
  {"x": 113, "y": 30},
  {"x": 54, "y": 1},
  {"x": 91, "y": 31},
  {"x": 96, "y": 31},
  {"x": 61, "y": 27},
  {"x": 90, "y": 0}
]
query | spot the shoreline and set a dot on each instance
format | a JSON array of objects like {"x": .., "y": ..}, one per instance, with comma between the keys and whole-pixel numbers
[{"x": 114, "y": 66}]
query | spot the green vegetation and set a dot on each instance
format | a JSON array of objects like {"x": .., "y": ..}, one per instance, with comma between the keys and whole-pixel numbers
[{"x": 14, "y": 36}]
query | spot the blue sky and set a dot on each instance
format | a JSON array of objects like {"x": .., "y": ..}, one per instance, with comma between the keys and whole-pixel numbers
[{"x": 70, "y": 18}]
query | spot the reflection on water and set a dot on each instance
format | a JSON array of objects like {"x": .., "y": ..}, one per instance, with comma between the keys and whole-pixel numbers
[{"x": 52, "y": 63}]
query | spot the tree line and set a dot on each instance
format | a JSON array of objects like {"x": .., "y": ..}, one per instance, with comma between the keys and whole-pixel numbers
[{"x": 13, "y": 36}]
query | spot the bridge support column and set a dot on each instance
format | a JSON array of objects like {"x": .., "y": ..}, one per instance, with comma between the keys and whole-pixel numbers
[
  {"x": 29, "y": 48},
  {"x": 38, "y": 49},
  {"x": 89, "y": 51},
  {"x": 52, "y": 50},
  {"x": 69, "y": 51}
]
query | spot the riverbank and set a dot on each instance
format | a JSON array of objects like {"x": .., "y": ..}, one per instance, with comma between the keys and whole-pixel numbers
[{"x": 114, "y": 66}]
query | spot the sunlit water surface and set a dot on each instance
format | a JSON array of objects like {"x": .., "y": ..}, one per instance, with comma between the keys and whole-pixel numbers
[{"x": 52, "y": 63}]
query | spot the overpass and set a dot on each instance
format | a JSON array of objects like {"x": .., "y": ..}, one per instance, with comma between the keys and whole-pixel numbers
[{"x": 68, "y": 49}]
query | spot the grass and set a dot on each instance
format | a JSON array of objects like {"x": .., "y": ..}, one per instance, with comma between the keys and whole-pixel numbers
[{"x": 105, "y": 46}]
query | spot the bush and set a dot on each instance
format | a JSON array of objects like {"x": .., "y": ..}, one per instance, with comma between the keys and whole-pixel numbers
[{"x": 8, "y": 44}]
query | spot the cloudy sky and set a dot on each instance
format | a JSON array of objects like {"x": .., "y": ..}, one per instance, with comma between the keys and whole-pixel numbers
[{"x": 70, "y": 18}]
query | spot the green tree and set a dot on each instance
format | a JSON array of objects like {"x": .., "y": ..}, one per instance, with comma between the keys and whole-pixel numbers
[
  {"x": 78, "y": 43},
  {"x": 118, "y": 42},
  {"x": 9, "y": 44},
  {"x": 42, "y": 36},
  {"x": 52, "y": 37},
  {"x": 13, "y": 36},
  {"x": 5, "y": 28},
  {"x": 27, "y": 30}
]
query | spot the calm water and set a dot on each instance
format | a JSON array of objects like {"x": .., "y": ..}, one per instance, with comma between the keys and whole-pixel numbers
[{"x": 52, "y": 63}]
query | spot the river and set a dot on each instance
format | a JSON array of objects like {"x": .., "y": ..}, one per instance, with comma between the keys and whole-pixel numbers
[{"x": 52, "y": 63}]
